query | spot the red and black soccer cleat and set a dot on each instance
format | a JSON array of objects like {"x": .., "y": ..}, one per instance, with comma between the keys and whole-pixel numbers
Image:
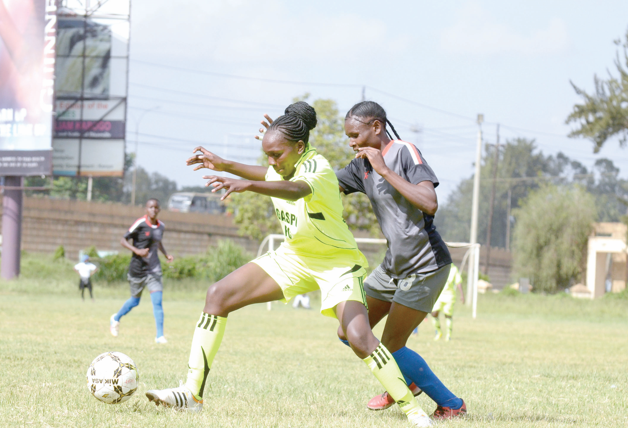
[
  {"x": 449, "y": 413},
  {"x": 384, "y": 401}
]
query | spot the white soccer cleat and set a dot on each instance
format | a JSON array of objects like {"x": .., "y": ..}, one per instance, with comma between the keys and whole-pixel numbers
[
  {"x": 178, "y": 398},
  {"x": 114, "y": 325},
  {"x": 161, "y": 339},
  {"x": 420, "y": 420}
]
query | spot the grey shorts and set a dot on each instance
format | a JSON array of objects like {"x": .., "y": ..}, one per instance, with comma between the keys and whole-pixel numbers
[
  {"x": 152, "y": 282},
  {"x": 418, "y": 291}
]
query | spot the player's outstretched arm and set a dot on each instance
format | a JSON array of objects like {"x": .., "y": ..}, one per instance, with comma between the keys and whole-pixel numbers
[
  {"x": 289, "y": 190},
  {"x": 203, "y": 158}
]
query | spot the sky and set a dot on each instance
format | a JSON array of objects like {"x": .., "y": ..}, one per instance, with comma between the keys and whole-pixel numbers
[{"x": 204, "y": 73}]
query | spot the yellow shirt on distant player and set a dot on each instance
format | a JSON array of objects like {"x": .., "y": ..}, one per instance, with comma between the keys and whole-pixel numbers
[
  {"x": 313, "y": 225},
  {"x": 449, "y": 292}
]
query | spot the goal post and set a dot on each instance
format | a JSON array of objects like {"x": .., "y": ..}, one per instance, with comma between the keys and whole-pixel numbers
[{"x": 471, "y": 256}]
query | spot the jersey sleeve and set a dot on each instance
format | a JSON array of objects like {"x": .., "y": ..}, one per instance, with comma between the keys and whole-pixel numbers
[
  {"x": 317, "y": 173},
  {"x": 415, "y": 167},
  {"x": 349, "y": 178}
]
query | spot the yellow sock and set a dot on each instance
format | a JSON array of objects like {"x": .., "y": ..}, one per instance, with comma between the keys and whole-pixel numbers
[
  {"x": 205, "y": 343},
  {"x": 386, "y": 370}
]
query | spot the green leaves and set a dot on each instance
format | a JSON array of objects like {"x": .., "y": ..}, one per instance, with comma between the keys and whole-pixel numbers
[
  {"x": 553, "y": 225},
  {"x": 604, "y": 114}
]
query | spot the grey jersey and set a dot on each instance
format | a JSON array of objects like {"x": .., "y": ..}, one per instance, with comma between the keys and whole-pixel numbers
[
  {"x": 414, "y": 245},
  {"x": 145, "y": 235}
]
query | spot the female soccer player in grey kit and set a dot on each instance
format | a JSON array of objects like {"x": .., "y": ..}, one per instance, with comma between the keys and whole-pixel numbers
[{"x": 400, "y": 185}]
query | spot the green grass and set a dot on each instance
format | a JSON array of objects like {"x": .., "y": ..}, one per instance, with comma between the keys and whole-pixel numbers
[{"x": 526, "y": 361}]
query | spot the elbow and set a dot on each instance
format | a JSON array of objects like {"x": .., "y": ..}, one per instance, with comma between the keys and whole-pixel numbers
[{"x": 431, "y": 209}]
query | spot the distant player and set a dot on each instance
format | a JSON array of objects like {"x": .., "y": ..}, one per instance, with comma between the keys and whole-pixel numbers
[
  {"x": 319, "y": 253},
  {"x": 145, "y": 269},
  {"x": 446, "y": 301},
  {"x": 302, "y": 300},
  {"x": 85, "y": 271}
]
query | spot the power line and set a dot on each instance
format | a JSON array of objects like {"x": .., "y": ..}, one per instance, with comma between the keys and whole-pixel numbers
[
  {"x": 254, "y": 79},
  {"x": 194, "y": 104},
  {"x": 190, "y": 94}
]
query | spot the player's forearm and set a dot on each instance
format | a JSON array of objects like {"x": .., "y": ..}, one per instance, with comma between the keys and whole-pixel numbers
[
  {"x": 248, "y": 172},
  {"x": 163, "y": 249},
  {"x": 128, "y": 246},
  {"x": 288, "y": 190},
  {"x": 422, "y": 197}
]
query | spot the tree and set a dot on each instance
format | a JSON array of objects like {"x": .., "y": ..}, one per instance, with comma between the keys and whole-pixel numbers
[
  {"x": 522, "y": 169},
  {"x": 254, "y": 213},
  {"x": 604, "y": 114},
  {"x": 553, "y": 225}
]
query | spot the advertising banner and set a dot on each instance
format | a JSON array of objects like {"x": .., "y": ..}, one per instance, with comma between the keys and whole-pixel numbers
[
  {"x": 91, "y": 88},
  {"x": 28, "y": 31}
]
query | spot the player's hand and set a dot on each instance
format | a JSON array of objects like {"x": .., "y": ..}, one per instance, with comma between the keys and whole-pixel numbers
[
  {"x": 375, "y": 157},
  {"x": 142, "y": 253},
  {"x": 169, "y": 258},
  {"x": 206, "y": 159},
  {"x": 229, "y": 184},
  {"x": 266, "y": 124}
]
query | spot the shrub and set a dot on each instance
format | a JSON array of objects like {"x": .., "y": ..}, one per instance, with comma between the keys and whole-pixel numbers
[
  {"x": 112, "y": 268},
  {"x": 59, "y": 253}
]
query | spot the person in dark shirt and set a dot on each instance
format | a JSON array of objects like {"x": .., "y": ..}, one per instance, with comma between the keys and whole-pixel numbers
[{"x": 145, "y": 269}]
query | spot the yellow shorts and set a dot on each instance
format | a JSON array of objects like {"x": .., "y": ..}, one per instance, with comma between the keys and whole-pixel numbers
[
  {"x": 445, "y": 305},
  {"x": 340, "y": 278}
]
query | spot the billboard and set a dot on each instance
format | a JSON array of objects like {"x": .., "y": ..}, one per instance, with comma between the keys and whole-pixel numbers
[
  {"x": 28, "y": 30},
  {"x": 91, "y": 88}
]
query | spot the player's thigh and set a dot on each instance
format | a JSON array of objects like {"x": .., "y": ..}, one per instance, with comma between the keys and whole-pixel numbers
[
  {"x": 380, "y": 291},
  {"x": 401, "y": 321},
  {"x": 245, "y": 286}
]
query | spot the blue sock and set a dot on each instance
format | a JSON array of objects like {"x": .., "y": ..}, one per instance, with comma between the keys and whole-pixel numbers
[
  {"x": 126, "y": 308},
  {"x": 413, "y": 366},
  {"x": 345, "y": 341},
  {"x": 158, "y": 311}
]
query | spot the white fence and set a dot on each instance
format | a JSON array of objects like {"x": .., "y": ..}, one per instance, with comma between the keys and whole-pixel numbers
[{"x": 471, "y": 256}]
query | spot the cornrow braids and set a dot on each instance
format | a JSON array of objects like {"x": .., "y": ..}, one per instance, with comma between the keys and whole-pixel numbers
[
  {"x": 296, "y": 123},
  {"x": 371, "y": 111}
]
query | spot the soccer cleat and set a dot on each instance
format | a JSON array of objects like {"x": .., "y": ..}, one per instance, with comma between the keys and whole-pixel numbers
[
  {"x": 447, "y": 338},
  {"x": 160, "y": 339},
  {"x": 420, "y": 420},
  {"x": 449, "y": 413},
  {"x": 114, "y": 326},
  {"x": 178, "y": 398},
  {"x": 438, "y": 335},
  {"x": 384, "y": 401}
]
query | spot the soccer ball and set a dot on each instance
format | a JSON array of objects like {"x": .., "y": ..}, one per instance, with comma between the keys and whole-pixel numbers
[{"x": 112, "y": 377}]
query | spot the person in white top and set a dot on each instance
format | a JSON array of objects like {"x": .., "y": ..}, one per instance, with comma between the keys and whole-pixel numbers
[{"x": 85, "y": 271}]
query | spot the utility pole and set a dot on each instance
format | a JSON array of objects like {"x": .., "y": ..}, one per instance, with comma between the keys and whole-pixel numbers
[
  {"x": 490, "y": 214},
  {"x": 137, "y": 130},
  {"x": 508, "y": 219},
  {"x": 474, "y": 210}
]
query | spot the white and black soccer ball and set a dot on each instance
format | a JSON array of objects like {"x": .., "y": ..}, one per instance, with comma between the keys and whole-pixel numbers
[{"x": 112, "y": 377}]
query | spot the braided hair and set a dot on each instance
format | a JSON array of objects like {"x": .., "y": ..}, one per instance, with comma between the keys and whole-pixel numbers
[
  {"x": 296, "y": 123},
  {"x": 370, "y": 111}
]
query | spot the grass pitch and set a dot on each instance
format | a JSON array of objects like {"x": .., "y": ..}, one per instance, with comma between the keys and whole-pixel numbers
[{"x": 527, "y": 361}]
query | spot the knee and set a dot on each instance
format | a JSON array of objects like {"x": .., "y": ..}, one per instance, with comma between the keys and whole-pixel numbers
[
  {"x": 216, "y": 300},
  {"x": 135, "y": 301},
  {"x": 341, "y": 334},
  {"x": 362, "y": 341}
]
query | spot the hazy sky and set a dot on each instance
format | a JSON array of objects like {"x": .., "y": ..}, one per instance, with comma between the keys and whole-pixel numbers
[{"x": 211, "y": 68}]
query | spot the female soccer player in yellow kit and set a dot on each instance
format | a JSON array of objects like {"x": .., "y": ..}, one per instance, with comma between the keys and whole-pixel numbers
[{"x": 319, "y": 252}]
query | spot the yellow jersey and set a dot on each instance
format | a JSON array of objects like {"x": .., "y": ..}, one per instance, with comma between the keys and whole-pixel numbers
[{"x": 313, "y": 225}]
